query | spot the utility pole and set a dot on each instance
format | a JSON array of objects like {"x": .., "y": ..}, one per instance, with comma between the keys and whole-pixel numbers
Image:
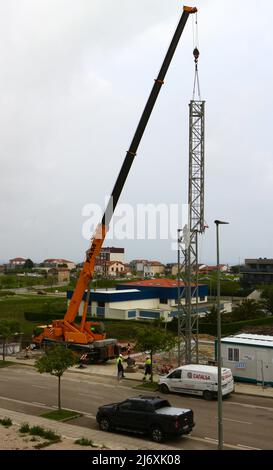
[{"x": 219, "y": 335}]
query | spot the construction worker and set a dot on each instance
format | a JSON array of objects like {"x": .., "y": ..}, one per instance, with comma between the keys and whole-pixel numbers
[
  {"x": 120, "y": 366},
  {"x": 147, "y": 368}
]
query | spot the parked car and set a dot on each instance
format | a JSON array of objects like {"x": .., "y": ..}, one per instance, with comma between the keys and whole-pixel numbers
[
  {"x": 146, "y": 414},
  {"x": 197, "y": 379}
]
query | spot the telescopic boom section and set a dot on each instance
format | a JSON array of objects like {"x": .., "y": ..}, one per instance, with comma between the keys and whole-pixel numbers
[{"x": 101, "y": 231}]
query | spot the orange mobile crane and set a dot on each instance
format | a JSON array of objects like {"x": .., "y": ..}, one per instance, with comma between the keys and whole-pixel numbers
[{"x": 83, "y": 334}]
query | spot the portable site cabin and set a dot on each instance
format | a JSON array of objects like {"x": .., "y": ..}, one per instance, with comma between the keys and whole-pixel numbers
[{"x": 249, "y": 356}]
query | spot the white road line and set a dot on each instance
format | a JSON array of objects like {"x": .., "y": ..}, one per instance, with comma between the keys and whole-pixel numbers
[
  {"x": 37, "y": 403},
  {"x": 209, "y": 440},
  {"x": 41, "y": 386},
  {"x": 246, "y": 405},
  {"x": 235, "y": 420},
  {"x": 247, "y": 447},
  {"x": 23, "y": 402}
]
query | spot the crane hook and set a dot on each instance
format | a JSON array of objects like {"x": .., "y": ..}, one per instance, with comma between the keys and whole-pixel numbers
[{"x": 196, "y": 55}]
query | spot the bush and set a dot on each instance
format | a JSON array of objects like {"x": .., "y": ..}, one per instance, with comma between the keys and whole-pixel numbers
[
  {"x": 45, "y": 433},
  {"x": 24, "y": 428},
  {"x": 85, "y": 442},
  {"x": 37, "y": 431},
  {"x": 6, "y": 422}
]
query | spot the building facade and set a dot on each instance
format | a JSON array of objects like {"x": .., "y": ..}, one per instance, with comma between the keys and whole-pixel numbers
[
  {"x": 146, "y": 300},
  {"x": 257, "y": 271},
  {"x": 17, "y": 262},
  {"x": 57, "y": 262}
]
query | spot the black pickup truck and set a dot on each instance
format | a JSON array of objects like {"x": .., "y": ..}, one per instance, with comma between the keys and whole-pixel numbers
[{"x": 146, "y": 414}]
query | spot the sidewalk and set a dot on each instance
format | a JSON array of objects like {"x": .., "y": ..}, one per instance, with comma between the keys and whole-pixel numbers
[{"x": 109, "y": 370}]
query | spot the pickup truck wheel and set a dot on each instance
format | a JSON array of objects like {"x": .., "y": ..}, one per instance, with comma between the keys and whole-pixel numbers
[
  {"x": 104, "y": 424},
  {"x": 157, "y": 434},
  {"x": 163, "y": 388},
  {"x": 207, "y": 395}
]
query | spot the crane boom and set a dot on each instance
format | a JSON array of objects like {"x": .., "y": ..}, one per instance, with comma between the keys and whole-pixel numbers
[{"x": 101, "y": 231}]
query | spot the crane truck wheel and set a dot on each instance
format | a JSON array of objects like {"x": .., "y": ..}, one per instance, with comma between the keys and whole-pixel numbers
[{"x": 105, "y": 424}]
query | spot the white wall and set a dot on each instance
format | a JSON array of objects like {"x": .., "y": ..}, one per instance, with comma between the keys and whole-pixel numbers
[
  {"x": 257, "y": 362},
  {"x": 132, "y": 304},
  {"x": 117, "y": 257}
]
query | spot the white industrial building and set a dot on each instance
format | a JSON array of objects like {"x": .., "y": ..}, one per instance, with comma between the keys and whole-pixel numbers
[
  {"x": 250, "y": 357},
  {"x": 147, "y": 300}
]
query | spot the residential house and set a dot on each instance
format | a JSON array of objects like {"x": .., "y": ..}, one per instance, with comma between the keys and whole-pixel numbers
[
  {"x": 56, "y": 262},
  {"x": 17, "y": 263},
  {"x": 62, "y": 274}
]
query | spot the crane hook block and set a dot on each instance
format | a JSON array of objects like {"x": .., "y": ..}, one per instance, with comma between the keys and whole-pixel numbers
[
  {"x": 196, "y": 55},
  {"x": 190, "y": 9}
]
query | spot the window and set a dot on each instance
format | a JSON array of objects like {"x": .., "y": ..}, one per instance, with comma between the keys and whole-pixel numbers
[
  {"x": 163, "y": 301},
  {"x": 202, "y": 298},
  {"x": 101, "y": 304},
  {"x": 139, "y": 406},
  {"x": 176, "y": 374},
  {"x": 233, "y": 354},
  {"x": 127, "y": 405}
]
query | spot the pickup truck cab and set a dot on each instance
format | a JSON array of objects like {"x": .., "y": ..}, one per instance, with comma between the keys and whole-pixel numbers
[
  {"x": 197, "y": 379},
  {"x": 146, "y": 414}
]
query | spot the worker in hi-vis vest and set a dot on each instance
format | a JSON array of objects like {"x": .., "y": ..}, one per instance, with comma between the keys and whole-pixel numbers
[
  {"x": 120, "y": 366},
  {"x": 147, "y": 368}
]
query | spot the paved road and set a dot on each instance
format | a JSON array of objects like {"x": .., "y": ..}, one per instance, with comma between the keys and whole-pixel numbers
[{"x": 248, "y": 421}]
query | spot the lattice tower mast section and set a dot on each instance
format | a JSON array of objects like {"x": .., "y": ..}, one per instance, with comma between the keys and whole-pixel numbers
[{"x": 188, "y": 350}]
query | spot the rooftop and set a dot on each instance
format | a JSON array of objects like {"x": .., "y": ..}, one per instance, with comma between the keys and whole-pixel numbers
[
  {"x": 170, "y": 283},
  {"x": 250, "y": 339}
]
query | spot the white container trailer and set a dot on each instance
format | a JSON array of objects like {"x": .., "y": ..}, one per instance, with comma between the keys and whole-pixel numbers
[{"x": 250, "y": 357}]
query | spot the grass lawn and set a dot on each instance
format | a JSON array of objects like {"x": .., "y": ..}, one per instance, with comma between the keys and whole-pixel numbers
[
  {"x": 60, "y": 415},
  {"x": 149, "y": 386},
  {"x": 6, "y": 363}
]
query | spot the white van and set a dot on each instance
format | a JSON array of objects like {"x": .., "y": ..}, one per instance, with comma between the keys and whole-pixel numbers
[{"x": 197, "y": 379}]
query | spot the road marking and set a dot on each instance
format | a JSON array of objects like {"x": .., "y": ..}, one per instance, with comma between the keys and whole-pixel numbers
[
  {"x": 250, "y": 406},
  {"x": 24, "y": 402},
  {"x": 247, "y": 447},
  {"x": 37, "y": 403},
  {"x": 41, "y": 386},
  {"x": 209, "y": 440},
  {"x": 235, "y": 420}
]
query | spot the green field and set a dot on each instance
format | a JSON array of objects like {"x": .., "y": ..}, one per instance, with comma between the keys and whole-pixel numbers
[
  {"x": 12, "y": 281},
  {"x": 13, "y": 308}
]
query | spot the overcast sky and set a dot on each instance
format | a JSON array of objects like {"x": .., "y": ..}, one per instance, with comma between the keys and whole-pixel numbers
[{"x": 74, "y": 78}]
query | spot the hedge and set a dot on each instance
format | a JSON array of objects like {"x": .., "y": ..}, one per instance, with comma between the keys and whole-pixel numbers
[
  {"x": 235, "y": 327},
  {"x": 43, "y": 316}
]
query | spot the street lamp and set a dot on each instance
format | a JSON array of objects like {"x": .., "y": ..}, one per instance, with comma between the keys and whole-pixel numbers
[{"x": 219, "y": 353}]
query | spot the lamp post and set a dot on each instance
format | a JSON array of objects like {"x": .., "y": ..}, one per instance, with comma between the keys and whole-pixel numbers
[{"x": 219, "y": 352}]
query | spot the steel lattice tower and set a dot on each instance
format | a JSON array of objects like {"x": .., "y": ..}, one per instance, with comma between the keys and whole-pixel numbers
[{"x": 187, "y": 275}]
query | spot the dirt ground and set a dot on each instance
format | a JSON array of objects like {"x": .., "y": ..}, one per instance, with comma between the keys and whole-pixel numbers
[{"x": 12, "y": 439}]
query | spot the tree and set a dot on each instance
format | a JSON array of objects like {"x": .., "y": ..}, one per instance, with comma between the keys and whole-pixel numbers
[
  {"x": 154, "y": 340},
  {"x": 248, "y": 309},
  {"x": 7, "y": 330},
  {"x": 211, "y": 318},
  {"x": 28, "y": 264},
  {"x": 267, "y": 298},
  {"x": 56, "y": 362}
]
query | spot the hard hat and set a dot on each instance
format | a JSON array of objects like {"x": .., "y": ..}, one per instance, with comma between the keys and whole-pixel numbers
[{"x": 120, "y": 355}]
